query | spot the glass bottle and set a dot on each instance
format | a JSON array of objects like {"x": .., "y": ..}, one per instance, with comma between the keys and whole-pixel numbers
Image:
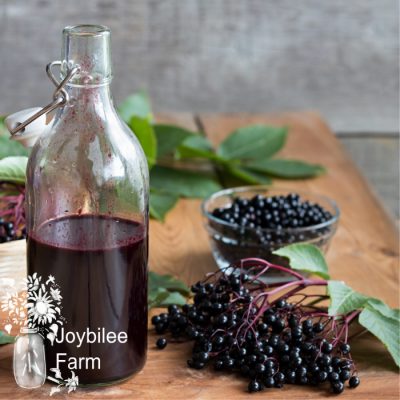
[
  {"x": 87, "y": 220},
  {"x": 29, "y": 361}
]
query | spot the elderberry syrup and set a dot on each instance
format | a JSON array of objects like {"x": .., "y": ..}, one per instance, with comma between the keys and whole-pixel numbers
[{"x": 87, "y": 222}]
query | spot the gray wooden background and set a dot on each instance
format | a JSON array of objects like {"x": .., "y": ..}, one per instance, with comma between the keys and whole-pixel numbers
[{"x": 340, "y": 57}]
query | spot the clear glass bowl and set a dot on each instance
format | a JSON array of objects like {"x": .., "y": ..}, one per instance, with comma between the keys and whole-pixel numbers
[{"x": 231, "y": 243}]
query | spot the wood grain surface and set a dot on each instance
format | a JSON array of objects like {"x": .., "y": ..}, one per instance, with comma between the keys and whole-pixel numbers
[{"x": 364, "y": 253}]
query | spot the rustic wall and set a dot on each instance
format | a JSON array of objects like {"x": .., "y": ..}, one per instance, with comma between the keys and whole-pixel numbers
[{"x": 338, "y": 56}]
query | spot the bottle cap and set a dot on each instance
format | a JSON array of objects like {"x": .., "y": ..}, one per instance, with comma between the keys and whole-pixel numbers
[{"x": 28, "y": 136}]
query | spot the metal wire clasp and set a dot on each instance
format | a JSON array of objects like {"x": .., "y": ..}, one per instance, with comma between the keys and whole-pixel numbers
[{"x": 60, "y": 96}]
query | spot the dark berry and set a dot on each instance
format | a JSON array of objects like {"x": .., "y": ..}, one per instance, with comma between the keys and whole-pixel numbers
[
  {"x": 161, "y": 343},
  {"x": 254, "y": 386},
  {"x": 322, "y": 376},
  {"x": 318, "y": 327},
  {"x": 337, "y": 387},
  {"x": 269, "y": 382},
  {"x": 354, "y": 381},
  {"x": 344, "y": 375},
  {"x": 345, "y": 348},
  {"x": 218, "y": 365},
  {"x": 326, "y": 347}
]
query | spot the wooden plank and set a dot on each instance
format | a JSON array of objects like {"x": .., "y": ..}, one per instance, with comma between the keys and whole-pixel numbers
[{"x": 363, "y": 253}]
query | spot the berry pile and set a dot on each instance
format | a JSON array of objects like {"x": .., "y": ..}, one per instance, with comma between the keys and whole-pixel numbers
[
  {"x": 260, "y": 225},
  {"x": 237, "y": 327},
  {"x": 8, "y": 233},
  {"x": 275, "y": 212}
]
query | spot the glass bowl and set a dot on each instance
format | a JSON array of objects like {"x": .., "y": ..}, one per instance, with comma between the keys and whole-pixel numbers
[{"x": 231, "y": 242}]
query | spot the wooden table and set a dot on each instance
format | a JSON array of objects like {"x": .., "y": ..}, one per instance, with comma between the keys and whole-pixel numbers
[{"x": 364, "y": 253}]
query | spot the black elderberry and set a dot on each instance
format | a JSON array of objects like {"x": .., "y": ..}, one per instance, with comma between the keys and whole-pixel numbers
[
  {"x": 354, "y": 381},
  {"x": 302, "y": 380},
  {"x": 307, "y": 324},
  {"x": 254, "y": 386},
  {"x": 279, "y": 377},
  {"x": 218, "y": 365},
  {"x": 344, "y": 375},
  {"x": 297, "y": 332},
  {"x": 290, "y": 376},
  {"x": 278, "y": 326},
  {"x": 333, "y": 377},
  {"x": 155, "y": 319},
  {"x": 326, "y": 347},
  {"x": 263, "y": 327},
  {"x": 161, "y": 343},
  {"x": 259, "y": 368},
  {"x": 270, "y": 319},
  {"x": 222, "y": 320},
  {"x": 345, "y": 348},
  {"x": 322, "y": 376},
  {"x": 326, "y": 360},
  {"x": 269, "y": 382},
  {"x": 201, "y": 356},
  {"x": 337, "y": 387},
  {"x": 318, "y": 327},
  {"x": 229, "y": 363},
  {"x": 280, "y": 303}
]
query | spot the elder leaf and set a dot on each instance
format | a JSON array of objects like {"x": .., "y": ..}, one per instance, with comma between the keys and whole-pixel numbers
[
  {"x": 182, "y": 182},
  {"x": 305, "y": 257},
  {"x": 385, "y": 328},
  {"x": 253, "y": 142},
  {"x": 161, "y": 203},
  {"x": 169, "y": 137},
  {"x": 13, "y": 169},
  {"x": 286, "y": 169},
  {"x": 144, "y": 132},
  {"x": 344, "y": 299},
  {"x": 136, "y": 105}
]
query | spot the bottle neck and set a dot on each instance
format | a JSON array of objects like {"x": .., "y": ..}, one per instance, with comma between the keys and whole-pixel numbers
[{"x": 90, "y": 99}]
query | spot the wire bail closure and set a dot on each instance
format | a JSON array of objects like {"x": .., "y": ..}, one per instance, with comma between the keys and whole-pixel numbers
[{"x": 60, "y": 96}]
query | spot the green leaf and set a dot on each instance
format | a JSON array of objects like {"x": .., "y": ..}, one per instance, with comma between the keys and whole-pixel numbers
[
  {"x": 169, "y": 137},
  {"x": 174, "y": 298},
  {"x": 156, "y": 297},
  {"x": 344, "y": 299},
  {"x": 10, "y": 147},
  {"x": 305, "y": 257},
  {"x": 165, "y": 290},
  {"x": 288, "y": 169},
  {"x": 145, "y": 134},
  {"x": 245, "y": 176},
  {"x": 383, "y": 308},
  {"x": 253, "y": 142},
  {"x": 197, "y": 146},
  {"x": 384, "y": 328},
  {"x": 167, "y": 282},
  {"x": 161, "y": 203},
  {"x": 136, "y": 105},
  {"x": 13, "y": 169},
  {"x": 5, "y": 338},
  {"x": 182, "y": 182}
]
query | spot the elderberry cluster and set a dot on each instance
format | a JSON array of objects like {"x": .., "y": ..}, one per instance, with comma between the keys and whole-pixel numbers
[
  {"x": 272, "y": 347},
  {"x": 8, "y": 233}
]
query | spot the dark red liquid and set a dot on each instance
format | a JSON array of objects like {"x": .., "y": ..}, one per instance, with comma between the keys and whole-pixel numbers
[{"x": 100, "y": 264}]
